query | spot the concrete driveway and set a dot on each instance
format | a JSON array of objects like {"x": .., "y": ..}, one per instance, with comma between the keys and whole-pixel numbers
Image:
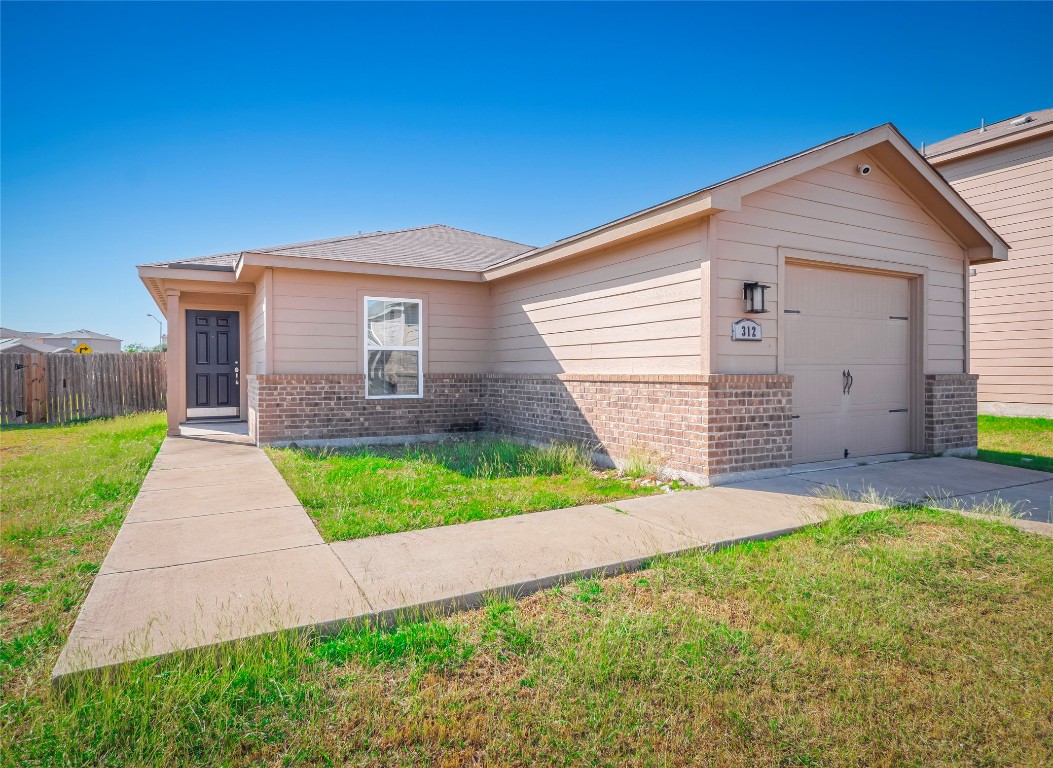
[
  {"x": 962, "y": 485},
  {"x": 216, "y": 547}
]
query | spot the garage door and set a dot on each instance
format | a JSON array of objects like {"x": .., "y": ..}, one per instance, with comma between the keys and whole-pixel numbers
[{"x": 848, "y": 347}]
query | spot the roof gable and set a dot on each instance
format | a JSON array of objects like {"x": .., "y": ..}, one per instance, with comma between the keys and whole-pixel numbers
[{"x": 884, "y": 143}]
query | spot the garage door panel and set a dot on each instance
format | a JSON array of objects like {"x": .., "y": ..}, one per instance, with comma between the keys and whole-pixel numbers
[{"x": 847, "y": 321}]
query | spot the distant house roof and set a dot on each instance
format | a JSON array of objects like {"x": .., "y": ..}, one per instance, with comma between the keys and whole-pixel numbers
[
  {"x": 80, "y": 333},
  {"x": 978, "y": 139},
  {"x": 11, "y": 333},
  {"x": 436, "y": 246},
  {"x": 17, "y": 344}
]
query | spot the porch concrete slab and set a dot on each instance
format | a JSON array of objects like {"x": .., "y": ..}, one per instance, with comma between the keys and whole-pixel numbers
[
  {"x": 457, "y": 565},
  {"x": 920, "y": 480},
  {"x": 230, "y": 431},
  {"x": 1033, "y": 501},
  {"x": 168, "y": 504},
  {"x": 184, "y": 540},
  {"x": 137, "y": 614}
]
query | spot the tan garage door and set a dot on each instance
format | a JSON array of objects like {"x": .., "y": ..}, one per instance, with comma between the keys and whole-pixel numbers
[{"x": 848, "y": 348}]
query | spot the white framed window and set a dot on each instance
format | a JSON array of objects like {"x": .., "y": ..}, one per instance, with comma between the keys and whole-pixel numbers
[{"x": 393, "y": 360}]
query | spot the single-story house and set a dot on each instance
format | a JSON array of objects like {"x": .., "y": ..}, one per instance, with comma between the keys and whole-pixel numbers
[
  {"x": 22, "y": 345},
  {"x": 1005, "y": 171},
  {"x": 81, "y": 340},
  {"x": 811, "y": 309}
]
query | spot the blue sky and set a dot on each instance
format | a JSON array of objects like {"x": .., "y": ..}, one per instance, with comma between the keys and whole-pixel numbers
[{"x": 142, "y": 132}]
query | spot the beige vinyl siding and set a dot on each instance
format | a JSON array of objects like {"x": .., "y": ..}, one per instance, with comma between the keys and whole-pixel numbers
[
  {"x": 316, "y": 321},
  {"x": 833, "y": 210},
  {"x": 1012, "y": 302},
  {"x": 257, "y": 330},
  {"x": 634, "y": 308}
]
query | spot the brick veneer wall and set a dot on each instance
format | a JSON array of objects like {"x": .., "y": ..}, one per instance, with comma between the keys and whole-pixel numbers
[
  {"x": 659, "y": 416},
  {"x": 696, "y": 425},
  {"x": 748, "y": 425},
  {"x": 950, "y": 411},
  {"x": 291, "y": 407}
]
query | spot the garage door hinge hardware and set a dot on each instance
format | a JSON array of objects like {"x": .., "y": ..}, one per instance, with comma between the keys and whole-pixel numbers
[
  {"x": 897, "y": 317},
  {"x": 791, "y": 311},
  {"x": 897, "y": 410},
  {"x": 795, "y": 417}
]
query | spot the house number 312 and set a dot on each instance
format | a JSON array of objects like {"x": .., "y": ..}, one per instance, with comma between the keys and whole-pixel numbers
[{"x": 746, "y": 330}]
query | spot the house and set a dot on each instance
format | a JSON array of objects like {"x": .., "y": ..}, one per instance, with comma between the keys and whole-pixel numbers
[
  {"x": 82, "y": 340},
  {"x": 1005, "y": 171},
  {"x": 21, "y": 345},
  {"x": 632, "y": 336}
]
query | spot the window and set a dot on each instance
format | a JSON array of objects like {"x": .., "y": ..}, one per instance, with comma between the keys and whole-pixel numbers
[{"x": 393, "y": 348}]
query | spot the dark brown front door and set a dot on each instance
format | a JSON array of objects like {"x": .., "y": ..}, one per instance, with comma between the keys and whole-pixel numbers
[{"x": 213, "y": 367}]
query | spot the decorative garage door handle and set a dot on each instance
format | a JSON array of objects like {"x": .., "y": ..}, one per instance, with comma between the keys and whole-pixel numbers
[{"x": 846, "y": 382}]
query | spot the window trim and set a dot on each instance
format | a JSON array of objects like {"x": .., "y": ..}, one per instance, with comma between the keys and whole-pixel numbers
[{"x": 366, "y": 348}]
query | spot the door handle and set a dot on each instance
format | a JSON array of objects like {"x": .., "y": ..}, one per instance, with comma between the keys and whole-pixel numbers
[
  {"x": 846, "y": 382},
  {"x": 850, "y": 381}
]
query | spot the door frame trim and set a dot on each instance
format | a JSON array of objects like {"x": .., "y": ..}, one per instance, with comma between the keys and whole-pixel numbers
[
  {"x": 917, "y": 286},
  {"x": 220, "y": 303}
]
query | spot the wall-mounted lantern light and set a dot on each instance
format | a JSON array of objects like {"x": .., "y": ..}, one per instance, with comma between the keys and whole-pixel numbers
[{"x": 753, "y": 293}]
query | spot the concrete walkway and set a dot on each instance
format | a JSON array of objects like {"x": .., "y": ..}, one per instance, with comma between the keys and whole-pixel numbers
[{"x": 216, "y": 547}]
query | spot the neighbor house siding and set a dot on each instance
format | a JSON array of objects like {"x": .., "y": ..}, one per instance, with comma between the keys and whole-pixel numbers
[
  {"x": 833, "y": 210},
  {"x": 1011, "y": 311},
  {"x": 317, "y": 325},
  {"x": 632, "y": 309}
]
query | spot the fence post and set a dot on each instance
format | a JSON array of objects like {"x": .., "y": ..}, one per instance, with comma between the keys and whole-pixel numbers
[{"x": 36, "y": 389}]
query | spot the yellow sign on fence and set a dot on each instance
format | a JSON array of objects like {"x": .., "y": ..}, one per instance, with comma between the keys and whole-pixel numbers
[{"x": 82, "y": 349}]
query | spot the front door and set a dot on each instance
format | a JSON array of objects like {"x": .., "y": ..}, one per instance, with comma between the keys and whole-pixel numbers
[
  {"x": 213, "y": 369},
  {"x": 848, "y": 347}
]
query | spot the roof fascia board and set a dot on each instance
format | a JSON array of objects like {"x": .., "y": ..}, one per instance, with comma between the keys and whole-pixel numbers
[
  {"x": 697, "y": 205},
  {"x": 988, "y": 244},
  {"x": 250, "y": 259},
  {"x": 202, "y": 275},
  {"x": 1006, "y": 140}
]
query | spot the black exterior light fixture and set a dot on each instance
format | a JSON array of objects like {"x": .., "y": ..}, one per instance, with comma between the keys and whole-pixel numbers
[{"x": 753, "y": 294}]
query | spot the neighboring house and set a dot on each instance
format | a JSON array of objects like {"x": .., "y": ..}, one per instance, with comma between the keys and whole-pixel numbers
[
  {"x": 63, "y": 342},
  {"x": 1005, "y": 171},
  {"x": 23, "y": 346},
  {"x": 620, "y": 337}
]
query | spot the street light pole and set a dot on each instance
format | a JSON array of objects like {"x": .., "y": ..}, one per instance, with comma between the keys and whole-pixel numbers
[{"x": 160, "y": 331}]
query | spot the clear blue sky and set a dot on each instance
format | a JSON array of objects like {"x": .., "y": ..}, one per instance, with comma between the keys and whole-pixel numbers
[{"x": 142, "y": 132}]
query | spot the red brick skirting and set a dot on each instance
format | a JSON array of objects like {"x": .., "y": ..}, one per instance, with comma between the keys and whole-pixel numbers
[
  {"x": 698, "y": 425},
  {"x": 748, "y": 425},
  {"x": 290, "y": 407},
  {"x": 950, "y": 411}
]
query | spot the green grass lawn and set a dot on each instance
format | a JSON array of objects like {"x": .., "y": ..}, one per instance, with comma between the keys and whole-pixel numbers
[
  {"x": 1018, "y": 442},
  {"x": 901, "y": 637},
  {"x": 375, "y": 490}
]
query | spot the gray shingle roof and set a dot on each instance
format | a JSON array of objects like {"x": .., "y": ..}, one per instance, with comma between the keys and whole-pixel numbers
[
  {"x": 436, "y": 246},
  {"x": 990, "y": 133},
  {"x": 80, "y": 333}
]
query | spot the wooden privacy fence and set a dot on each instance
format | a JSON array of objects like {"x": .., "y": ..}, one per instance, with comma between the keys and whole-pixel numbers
[{"x": 53, "y": 389}]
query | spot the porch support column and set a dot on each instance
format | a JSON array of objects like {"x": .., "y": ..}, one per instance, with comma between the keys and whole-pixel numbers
[{"x": 176, "y": 358}]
